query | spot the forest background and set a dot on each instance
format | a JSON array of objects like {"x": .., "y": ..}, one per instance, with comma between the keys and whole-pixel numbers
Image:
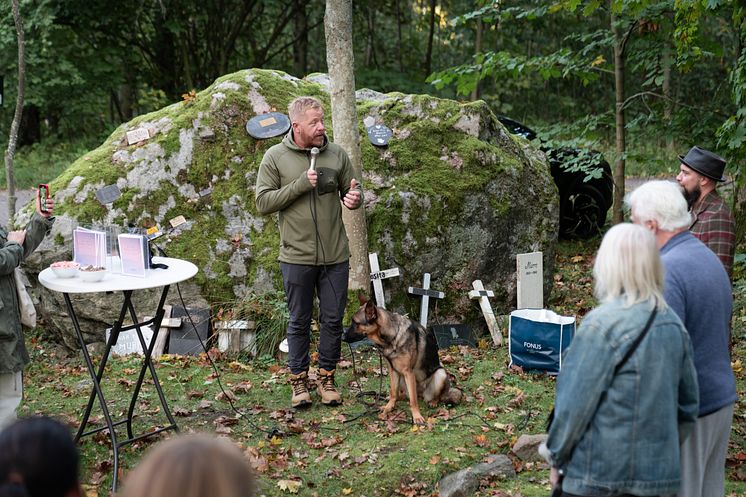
[{"x": 641, "y": 81}]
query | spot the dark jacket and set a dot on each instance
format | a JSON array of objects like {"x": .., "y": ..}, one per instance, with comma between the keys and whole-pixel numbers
[
  {"x": 311, "y": 228},
  {"x": 13, "y": 354}
]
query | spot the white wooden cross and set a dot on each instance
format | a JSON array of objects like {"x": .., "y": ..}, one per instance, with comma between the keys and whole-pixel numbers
[
  {"x": 480, "y": 293},
  {"x": 376, "y": 276},
  {"x": 426, "y": 293}
]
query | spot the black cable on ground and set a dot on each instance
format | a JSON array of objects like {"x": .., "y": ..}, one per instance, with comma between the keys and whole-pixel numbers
[{"x": 271, "y": 432}]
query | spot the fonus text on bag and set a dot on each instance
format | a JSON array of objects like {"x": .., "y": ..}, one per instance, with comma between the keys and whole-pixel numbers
[{"x": 537, "y": 338}]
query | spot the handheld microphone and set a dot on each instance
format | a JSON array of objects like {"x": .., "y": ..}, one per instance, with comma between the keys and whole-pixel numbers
[{"x": 314, "y": 154}]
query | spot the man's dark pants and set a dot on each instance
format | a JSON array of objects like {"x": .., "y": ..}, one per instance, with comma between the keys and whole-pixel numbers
[{"x": 301, "y": 284}]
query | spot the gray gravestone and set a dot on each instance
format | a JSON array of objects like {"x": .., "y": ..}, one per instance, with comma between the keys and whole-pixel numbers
[{"x": 530, "y": 288}]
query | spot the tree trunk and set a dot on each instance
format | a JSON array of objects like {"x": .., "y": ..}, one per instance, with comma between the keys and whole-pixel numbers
[
  {"x": 398, "y": 37},
  {"x": 341, "y": 62},
  {"x": 429, "y": 56},
  {"x": 300, "y": 46},
  {"x": 667, "y": 98},
  {"x": 619, "y": 163},
  {"x": 477, "y": 49},
  {"x": 11, "y": 150},
  {"x": 370, "y": 41}
]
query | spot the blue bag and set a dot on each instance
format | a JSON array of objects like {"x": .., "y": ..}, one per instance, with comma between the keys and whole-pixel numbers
[{"x": 537, "y": 338}]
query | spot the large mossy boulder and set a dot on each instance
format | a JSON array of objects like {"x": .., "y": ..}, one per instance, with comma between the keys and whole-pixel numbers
[{"x": 453, "y": 194}]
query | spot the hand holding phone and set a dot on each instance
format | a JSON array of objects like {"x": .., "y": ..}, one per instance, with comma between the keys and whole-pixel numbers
[{"x": 43, "y": 196}]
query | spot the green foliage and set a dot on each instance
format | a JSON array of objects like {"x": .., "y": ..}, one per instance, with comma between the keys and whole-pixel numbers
[
  {"x": 269, "y": 315},
  {"x": 41, "y": 162}
]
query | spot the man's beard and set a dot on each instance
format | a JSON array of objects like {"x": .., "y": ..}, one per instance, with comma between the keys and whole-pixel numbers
[{"x": 692, "y": 196}]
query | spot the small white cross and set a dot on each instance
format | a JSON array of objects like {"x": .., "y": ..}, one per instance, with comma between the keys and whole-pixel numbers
[
  {"x": 426, "y": 293},
  {"x": 480, "y": 293},
  {"x": 376, "y": 276}
]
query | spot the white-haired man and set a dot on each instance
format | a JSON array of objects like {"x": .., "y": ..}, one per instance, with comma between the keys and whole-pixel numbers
[
  {"x": 307, "y": 180},
  {"x": 698, "y": 289}
]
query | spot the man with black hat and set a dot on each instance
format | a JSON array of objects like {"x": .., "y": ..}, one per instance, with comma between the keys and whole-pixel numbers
[{"x": 712, "y": 221}]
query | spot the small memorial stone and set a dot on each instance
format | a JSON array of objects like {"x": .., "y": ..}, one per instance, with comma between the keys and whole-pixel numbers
[
  {"x": 379, "y": 135},
  {"x": 137, "y": 135},
  {"x": 108, "y": 194},
  {"x": 268, "y": 125},
  {"x": 177, "y": 221}
]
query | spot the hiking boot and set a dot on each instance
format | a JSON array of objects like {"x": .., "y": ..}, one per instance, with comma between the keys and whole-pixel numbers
[
  {"x": 301, "y": 397},
  {"x": 327, "y": 390}
]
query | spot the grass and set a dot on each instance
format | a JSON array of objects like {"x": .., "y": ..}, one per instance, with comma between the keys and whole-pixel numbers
[
  {"x": 42, "y": 162},
  {"x": 350, "y": 449}
]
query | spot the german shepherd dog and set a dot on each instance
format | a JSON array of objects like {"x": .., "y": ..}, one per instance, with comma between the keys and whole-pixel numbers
[{"x": 412, "y": 354}]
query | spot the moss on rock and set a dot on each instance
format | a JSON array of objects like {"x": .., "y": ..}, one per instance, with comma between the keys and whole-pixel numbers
[{"x": 453, "y": 194}]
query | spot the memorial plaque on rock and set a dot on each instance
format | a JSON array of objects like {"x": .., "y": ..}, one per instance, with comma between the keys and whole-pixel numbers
[
  {"x": 268, "y": 125},
  {"x": 379, "y": 135},
  {"x": 108, "y": 194},
  {"x": 184, "y": 340},
  {"x": 137, "y": 135},
  {"x": 454, "y": 334}
]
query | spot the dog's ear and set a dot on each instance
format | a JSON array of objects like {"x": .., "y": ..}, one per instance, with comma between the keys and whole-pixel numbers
[
  {"x": 371, "y": 312},
  {"x": 362, "y": 298}
]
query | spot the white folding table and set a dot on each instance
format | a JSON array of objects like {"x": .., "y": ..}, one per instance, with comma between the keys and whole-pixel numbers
[{"x": 178, "y": 270}]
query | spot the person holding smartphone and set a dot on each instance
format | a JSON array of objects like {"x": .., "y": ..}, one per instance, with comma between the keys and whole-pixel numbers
[{"x": 15, "y": 247}]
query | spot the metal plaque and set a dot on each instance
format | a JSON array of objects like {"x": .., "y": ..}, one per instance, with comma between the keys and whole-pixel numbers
[
  {"x": 379, "y": 135},
  {"x": 268, "y": 125},
  {"x": 108, "y": 194}
]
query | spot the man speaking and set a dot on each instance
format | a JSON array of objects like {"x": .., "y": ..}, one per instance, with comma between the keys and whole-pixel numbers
[{"x": 303, "y": 178}]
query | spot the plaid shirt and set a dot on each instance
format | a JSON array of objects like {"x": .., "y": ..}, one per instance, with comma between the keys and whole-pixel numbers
[{"x": 713, "y": 223}]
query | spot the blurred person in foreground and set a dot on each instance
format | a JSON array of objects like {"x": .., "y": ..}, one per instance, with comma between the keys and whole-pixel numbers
[
  {"x": 38, "y": 458},
  {"x": 15, "y": 247},
  {"x": 195, "y": 465},
  {"x": 617, "y": 432},
  {"x": 698, "y": 289}
]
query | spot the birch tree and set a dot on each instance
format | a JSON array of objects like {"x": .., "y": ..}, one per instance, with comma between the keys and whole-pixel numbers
[{"x": 341, "y": 63}]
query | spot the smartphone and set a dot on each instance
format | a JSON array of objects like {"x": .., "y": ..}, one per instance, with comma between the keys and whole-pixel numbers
[{"x": 43, "y": 196}]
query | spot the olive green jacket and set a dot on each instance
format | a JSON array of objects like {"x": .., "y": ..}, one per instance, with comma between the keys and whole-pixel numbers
[
  {"x": 13, "y": 354},
  {"x": 311, "y": 228}
]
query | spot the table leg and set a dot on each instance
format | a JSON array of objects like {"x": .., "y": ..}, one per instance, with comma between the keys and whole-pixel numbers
[
  {"x": 148, "y": 363},
  {"x": 96, "y": 392}
]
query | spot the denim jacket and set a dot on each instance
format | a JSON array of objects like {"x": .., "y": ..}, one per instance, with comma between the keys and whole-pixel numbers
[{"x": 615, "y": 434}]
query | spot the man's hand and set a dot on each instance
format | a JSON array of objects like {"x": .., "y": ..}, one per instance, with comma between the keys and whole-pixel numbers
[
  {"x": 313, "y": 177},
  {"x": 50, "y": 206},
  {"x": 554, "y": 476},
  {"x": 17, "y": 236},
  {"x": 352, "y": 197}
]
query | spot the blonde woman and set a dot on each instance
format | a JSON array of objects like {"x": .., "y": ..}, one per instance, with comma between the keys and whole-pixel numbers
[
  {"x": 198, "y": 465},
  {"x": 627, "y": 393}
]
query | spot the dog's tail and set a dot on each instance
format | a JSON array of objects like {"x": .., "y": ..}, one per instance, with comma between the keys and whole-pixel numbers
[{"x": 453, "y": 396}]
